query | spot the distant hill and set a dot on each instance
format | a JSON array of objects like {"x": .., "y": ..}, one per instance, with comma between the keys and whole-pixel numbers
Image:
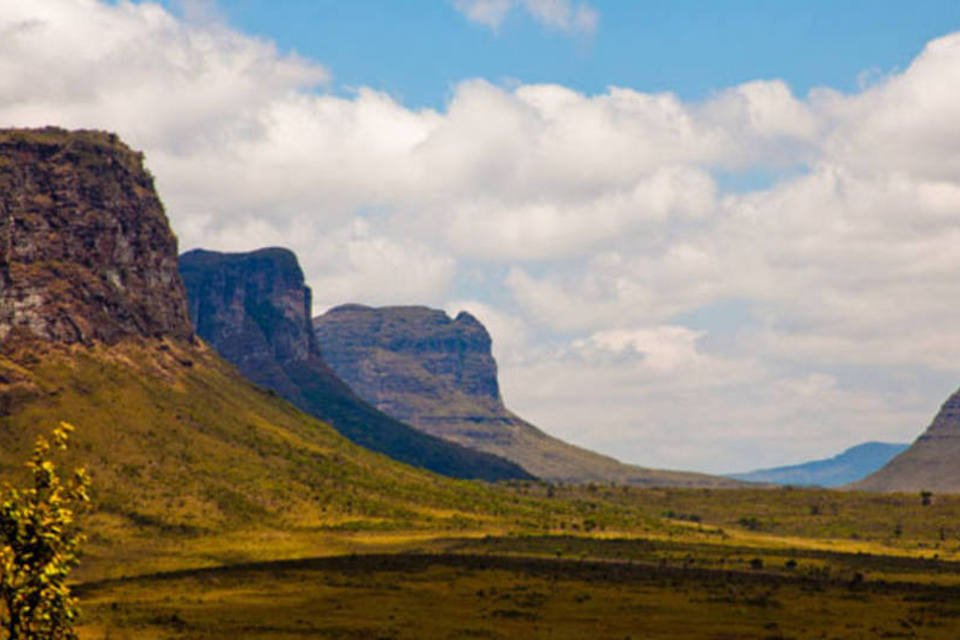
[
  {"x": 931, "y": 463},
  {"x": 254, "y": 309},
  {"x": 853, "y": 464},
  {"x": 438, "y": 374}
]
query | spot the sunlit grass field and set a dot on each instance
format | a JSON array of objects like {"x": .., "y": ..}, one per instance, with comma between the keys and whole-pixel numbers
[
  {"x": 764, "y": 563},
  {"x": 222, "y": 512}
]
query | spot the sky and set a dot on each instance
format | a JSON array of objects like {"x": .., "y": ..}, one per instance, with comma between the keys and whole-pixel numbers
[{"x": 703, "y": 235}]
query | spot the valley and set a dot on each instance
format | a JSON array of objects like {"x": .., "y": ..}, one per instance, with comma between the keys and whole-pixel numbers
[{"x": 240, "y": 488}]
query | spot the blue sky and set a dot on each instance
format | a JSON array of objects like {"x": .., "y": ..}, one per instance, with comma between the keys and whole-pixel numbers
[
  {"x": 703, "y": 235},
  {"x": 418, "y": 49}
]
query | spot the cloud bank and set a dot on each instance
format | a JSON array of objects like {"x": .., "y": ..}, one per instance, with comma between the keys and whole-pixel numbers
[{"x": 742, "y": 281}]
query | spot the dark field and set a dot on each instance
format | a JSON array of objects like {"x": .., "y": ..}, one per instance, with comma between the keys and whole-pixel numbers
[{"x": 509, "y": 588}]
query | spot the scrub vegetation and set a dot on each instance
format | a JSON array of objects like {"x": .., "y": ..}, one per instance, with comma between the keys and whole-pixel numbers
[{"x": 219, "y": 511}]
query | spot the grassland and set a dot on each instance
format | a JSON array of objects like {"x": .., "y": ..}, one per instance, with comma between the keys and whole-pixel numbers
[
  {"x": 507, "y": 588},
  {"x": 704, "y": 572},
  {"x": 222, "y": 512}
]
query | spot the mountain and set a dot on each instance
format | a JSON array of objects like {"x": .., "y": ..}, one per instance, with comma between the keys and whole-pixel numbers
[
  {"x": 853, "y": 464},
  {"x": 438, "y": 374},
  {"x": 191, "y": 464},
  {"x": 254, "y": 309},
  {"x": 87, "y": 254},
  {"x": 931, "y": 463}
]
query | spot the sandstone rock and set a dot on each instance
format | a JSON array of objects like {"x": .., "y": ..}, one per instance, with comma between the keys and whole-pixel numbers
[
  {"x": 254, "y": 309},
  {"x": 86, "y": 253}
]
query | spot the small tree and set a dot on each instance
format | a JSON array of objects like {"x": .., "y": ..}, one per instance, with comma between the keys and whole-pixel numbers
[{"x": 39, "y": 544}]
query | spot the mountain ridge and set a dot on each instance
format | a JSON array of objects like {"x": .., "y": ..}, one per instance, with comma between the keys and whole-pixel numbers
[
  {"x": 438, "y": 374},
  {"x": 85, "y": 246},
  {"x": 850, "y": 465},
  {"x": 254, "y": 309}
]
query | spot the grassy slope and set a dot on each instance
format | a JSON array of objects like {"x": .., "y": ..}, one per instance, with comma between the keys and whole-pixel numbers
[{"x": 193, "y": 466}]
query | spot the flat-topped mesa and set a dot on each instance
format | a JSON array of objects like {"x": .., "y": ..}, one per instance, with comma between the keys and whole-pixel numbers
[
  {"x": 254, "y": 309},
  {"x": 438, "y": 374},
  {"x": 398, "y": 356},
  {"x": 251, "y": 307},
  {"x": 86, "y": 252}
]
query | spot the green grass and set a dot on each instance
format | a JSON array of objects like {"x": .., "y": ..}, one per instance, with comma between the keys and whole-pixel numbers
[
  {"x": 190, "y": 462},
  {"x": 475, "y": 596},
  {"x": 198, "y": 474}
]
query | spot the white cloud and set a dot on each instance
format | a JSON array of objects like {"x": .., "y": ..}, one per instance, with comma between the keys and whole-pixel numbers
[
  {"x": 355, "y": 264},
  {"x": 561, "y": 15},
  {"x": 601, "y": 222}
]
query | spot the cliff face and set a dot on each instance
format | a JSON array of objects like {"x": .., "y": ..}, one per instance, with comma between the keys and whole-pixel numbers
[
  {"x": 931, "y": 462},
  {"x": 254, "y": 309},
  {"x": 412, "y": 361},
  {"x": 438, "y": 374},
  {"x": 251, "y": 308},
  {"x": 86, "y": 253}
]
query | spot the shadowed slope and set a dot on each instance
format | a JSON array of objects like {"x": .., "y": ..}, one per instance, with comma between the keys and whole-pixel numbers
[{"x": 254, "y": 309}]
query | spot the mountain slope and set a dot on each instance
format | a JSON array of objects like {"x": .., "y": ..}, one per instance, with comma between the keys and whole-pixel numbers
[
  {"x": 438, "y": 374},
  {"x": 931, "y": 463},
  {"x": 184, "y": 453},
  {"x": 254, "y": 309},
  {"x": 849, "y": 466}
]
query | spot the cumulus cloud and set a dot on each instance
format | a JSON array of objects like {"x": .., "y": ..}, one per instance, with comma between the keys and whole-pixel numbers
[
  {"x": 560, "y": 15},
  {"x": 601, "y": 223}
]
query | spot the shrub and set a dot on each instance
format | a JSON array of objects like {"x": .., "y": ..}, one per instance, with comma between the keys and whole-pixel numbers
[{"x": 39, "y": 544}]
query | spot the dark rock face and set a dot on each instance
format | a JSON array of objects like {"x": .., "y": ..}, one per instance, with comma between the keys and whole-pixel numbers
[
  {"x": 438, "y": 374},
  {"x": 86, "y": 253},
  {"x": 250, "y": 307},
  {"x": 254, "y": 309},
  {"x": 931, "y": 463}
]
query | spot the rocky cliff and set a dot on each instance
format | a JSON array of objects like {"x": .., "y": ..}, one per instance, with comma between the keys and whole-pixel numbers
[
  {"x": 413, "y": 362},
  {"x": 931, "y": 462},
  {"x": 86, "y": 253},
  {"x": 254, "y": 309},
  {"x": 438, "y": 374}
]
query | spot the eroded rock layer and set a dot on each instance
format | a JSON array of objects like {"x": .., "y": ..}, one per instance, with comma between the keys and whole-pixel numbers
[{"x": 86, "y": 253}]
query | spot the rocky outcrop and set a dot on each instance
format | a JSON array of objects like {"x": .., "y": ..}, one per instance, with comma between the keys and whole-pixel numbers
[
  {"x": 932, "y": 462},
  {"x": 86, "y": 253},
  {"x": 438, "y": 374},
  {"x": 413, "y": 361},
  {"x": 254, "y": 309}
]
